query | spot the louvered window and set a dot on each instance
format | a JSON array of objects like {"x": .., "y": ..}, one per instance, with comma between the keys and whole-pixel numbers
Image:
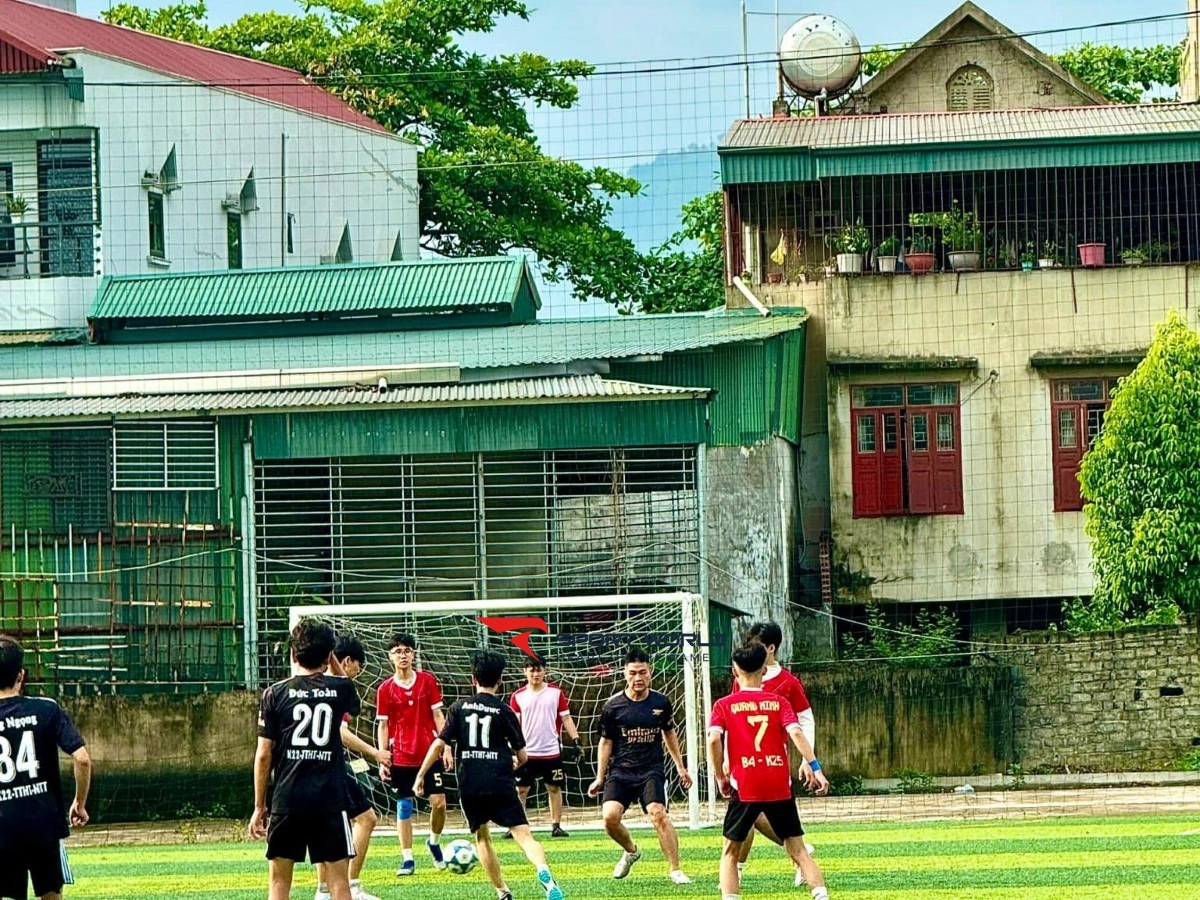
[
  {"x": 970, "y": 88},
  {"x": 165, "y": 456}
]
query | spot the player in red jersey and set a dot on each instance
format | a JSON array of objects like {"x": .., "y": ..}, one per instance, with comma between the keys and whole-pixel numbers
[
  {"x": 747, "y": 744},
  {"x": 409, "y": 713},
  {"x": 779, "y": 680}
]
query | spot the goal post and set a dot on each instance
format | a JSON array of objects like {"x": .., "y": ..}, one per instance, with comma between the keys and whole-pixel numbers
[{"x": 583, "y": 639}]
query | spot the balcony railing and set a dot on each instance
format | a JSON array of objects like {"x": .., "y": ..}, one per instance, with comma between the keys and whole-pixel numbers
[{"x": 49, "y": 249}]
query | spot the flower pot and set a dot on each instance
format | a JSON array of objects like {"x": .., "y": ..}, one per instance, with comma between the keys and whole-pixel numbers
[
  {"x": 1091, "y": 255},
  {"x": 830, "y": 271},
  {"x": 964, "y": 260},
  {"x": 1046, "y": 264},
  {"x": 850, "y": 263},
  {"x": 1132, "y": 260},
  {"x": 16, "y": 218},
  {"x": 886, "y": 264},
  {"x": 919, "y": 263},
  {"x": 1027, "y": 265},
  {"x": 774, "y": 278}
]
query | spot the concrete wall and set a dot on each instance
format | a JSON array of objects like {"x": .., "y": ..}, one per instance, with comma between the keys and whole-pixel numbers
[
  {"x": 1009, "y": 543},
  {"x": 335, "y": 173},
  {"x": 1018, "y": 82},
  {"x": 1111, "y": 701},
  {"x": 750, "y": 530}
]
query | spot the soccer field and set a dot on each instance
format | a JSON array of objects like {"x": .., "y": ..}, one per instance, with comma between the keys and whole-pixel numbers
[{"x": 1080, "y": 859}]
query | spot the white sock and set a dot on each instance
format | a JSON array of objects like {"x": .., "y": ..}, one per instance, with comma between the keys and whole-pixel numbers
[
  {"x": 407, "y": 854},
  {"x": 355, "y": 882},
  {"x": 731, "y": 897},
  {"x": 546, "y": 869},
  {"x": 322, "y": 888},
  {"x": 820, "y": 894},
  {"x": 740, "y": 867},
  {"x": 435, "y": 839},
  {"x": 500, "y": 892}
]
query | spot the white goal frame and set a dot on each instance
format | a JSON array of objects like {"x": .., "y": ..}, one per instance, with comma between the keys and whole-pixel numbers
[{"x": 697, "y": 698}]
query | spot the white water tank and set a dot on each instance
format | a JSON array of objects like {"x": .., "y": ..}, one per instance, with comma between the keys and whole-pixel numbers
[{"x": 820, "y": 54}]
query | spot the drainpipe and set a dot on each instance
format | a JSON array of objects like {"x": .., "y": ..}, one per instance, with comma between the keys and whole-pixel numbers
[{"x": 753, "y": 301}]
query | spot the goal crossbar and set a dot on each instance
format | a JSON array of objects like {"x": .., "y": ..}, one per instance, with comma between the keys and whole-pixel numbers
[{"x": 694, "y": 641}]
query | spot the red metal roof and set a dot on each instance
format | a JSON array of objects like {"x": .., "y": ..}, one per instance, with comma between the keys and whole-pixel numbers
[{"x": 31, "y": 35}]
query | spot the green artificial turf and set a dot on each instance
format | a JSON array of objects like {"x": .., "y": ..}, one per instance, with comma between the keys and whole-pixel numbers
[{"x": 1080, "y": 859}]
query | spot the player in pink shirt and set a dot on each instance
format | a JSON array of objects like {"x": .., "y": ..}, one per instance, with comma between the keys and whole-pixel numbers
[{"x": 544, "y": 713}]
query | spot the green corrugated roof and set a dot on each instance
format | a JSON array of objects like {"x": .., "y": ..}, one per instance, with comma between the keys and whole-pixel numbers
[
  {"x": 422, "y": 286},
  {"x": 542, "y": 343},
  {"x": 757, "y": 151}
]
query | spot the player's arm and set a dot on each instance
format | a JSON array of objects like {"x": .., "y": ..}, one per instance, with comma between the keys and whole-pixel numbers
[
  {"x": 716, "y": 757},
  {"x": 810, "y": 771},
  {"x": 262, "y": 774},
  {"x": 439, "y": 722},
  {"x": 568, "y": 724},
  {"x": 352, "y": 741},
  {"x": 603, "y": 755},
  {"x": 671, "y": 739},
  {"x": 82, "y": 762}
]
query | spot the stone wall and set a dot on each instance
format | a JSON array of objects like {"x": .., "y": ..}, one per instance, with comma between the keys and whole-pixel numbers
[{"x": 1110, "y": 701}]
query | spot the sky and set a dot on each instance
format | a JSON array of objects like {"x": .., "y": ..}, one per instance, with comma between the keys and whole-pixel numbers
[{"x": 663, "y": 125}]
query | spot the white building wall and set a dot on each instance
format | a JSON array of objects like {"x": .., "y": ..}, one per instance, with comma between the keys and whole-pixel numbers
[
  {"x": 1009, "y": 543},
  {"x": 324, "y": 173}
]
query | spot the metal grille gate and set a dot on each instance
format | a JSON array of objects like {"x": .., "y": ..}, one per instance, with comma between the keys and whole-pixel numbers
[{"x": 473, "y": 526}]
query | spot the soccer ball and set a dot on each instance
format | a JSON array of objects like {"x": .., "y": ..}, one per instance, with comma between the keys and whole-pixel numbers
[{"x": 461, "y": 857}]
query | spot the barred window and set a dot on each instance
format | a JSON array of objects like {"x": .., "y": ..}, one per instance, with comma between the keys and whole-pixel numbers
[{"x": 165, "y": 456}]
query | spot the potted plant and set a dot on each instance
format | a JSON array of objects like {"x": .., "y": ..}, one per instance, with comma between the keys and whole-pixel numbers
[
  {"x": 17, "y": 206},
  {"x": 962, "y": 234},
  {"x": 850, "y": 244},
  {"x": 1091, "y": 254},
  {"x": 886, "y": 254},
  {"x": 1049, "y": 256},
  {"x": 1133, "y": 256},
  {"x": 1027, "y": 257},
  {"x": 919, "y": 257}
]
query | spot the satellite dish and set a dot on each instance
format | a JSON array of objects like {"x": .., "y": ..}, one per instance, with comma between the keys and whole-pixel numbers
[{"x": 819, "y": 56}]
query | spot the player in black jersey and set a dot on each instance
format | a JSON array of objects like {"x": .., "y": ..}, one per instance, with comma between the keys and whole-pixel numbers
[
  {"x": 634, "y": 726},
  {"x": 490, "y": 746},
  {"x": 33, "y": 821},
  {"x": 299, "y": 740}
]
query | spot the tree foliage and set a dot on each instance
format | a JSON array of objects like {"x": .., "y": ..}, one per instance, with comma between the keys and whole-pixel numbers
[
  {"x": 486, "y": 186},
  {"x": 932, "y": 641},
  {"x": 687, "y": 273},
  {"x": 1124, "y": 74},
  {"x": 1142, "y": 481}
]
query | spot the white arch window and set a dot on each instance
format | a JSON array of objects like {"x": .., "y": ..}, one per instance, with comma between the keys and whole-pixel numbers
[{"x": 970, "y": 88}]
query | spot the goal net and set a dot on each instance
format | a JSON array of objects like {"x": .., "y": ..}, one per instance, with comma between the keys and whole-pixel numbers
[{"x": 584, "y": 642}]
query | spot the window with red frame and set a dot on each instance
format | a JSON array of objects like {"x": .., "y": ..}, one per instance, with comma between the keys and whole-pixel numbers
[
  {"x": 1077, "y": 409},
  {"x": 907, "y": 450}
]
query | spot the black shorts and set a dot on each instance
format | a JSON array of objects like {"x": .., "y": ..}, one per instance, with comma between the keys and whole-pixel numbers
[
  {"x": 505, "y": 810},
  {"x": 42, "y": 862},
  {"x": 357, "y": 801},
  {"x": 549, "y": 770},
  {"x": 322, "y": 837},
  {"x": 652, "y": 790},
  {"x": 781, "y": 814},
  {"x": 404, "y": 777}
]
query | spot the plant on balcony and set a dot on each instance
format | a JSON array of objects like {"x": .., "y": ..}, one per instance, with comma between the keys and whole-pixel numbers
[
  {"x": 1133, "y": 256},
  {"x": 1048, "y": 258},
  {"x": 1028, "y": 255},
  {"x": 17, "y": 206},
  {"x": 919, "y": 257},
  {"x": 850, "y": 244},
  {"x": 886, "y": 253},
  {"x": 962, "y": 234}
]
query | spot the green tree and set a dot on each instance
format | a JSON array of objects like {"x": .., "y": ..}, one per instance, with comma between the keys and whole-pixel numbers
[
  {"x": 1142, "y": 481},
  {"x": 1124, "y": 74},
  {"x": 687, "y": 273},
  {"x": 486, "y": 186}
]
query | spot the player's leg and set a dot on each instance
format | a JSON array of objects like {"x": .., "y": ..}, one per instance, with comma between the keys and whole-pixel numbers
[
  {"x": 280, "y": 871},
  {"x": 525, "y": 781},
  {"x": 556, "y": 781},
  {"x": 402, "y": 786},
  {"x": 44, "y": 864},
  {"x": 537, "y": 857},
  {"x": 435, "y": 790},
  {"x": 739, "y": 825},
  {"x": 362, "y": 826},
  {"x": 613, "y": 811},
  {"x": 330, "y": 840},
  {"x": 488, "y": 859},
  {"x": 616, "y": 799},
  {"x": 654, "y": 803},
  {"x": 785, "y": 822}
]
